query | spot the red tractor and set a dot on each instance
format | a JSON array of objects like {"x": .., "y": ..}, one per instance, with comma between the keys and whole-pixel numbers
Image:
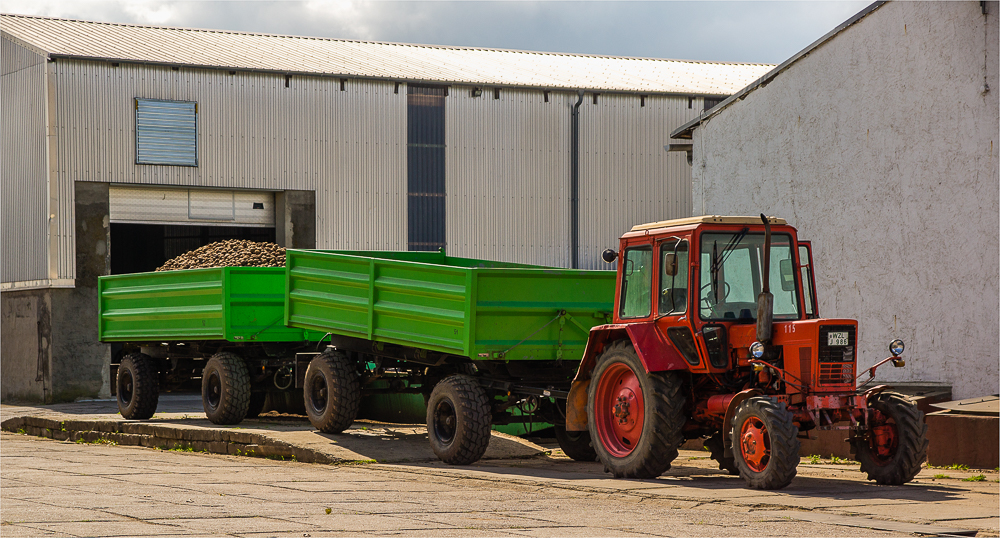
[{"x": 700, "y": 347}]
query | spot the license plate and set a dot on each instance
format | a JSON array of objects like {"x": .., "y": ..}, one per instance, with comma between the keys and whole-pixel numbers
[{"x": 836, "y": 339}]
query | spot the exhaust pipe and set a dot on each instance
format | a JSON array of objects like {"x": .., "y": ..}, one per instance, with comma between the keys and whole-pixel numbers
[{"x": 765, "y": 301}]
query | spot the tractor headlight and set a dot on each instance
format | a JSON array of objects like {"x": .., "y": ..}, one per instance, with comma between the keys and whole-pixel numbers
[
  {"x": 896, "y": 347},
  {"x": 756, "y": 350}
]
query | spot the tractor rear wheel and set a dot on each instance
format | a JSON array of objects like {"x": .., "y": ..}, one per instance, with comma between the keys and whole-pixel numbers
[
  {"x": 715, "y": 446},
  {"x": 896, "y": 444},
  {"x": 458, "y": 420},
  {"x": 635, "y": 418},
  {"x": 225, "y": 388},
  {"x": 332, "y": 392},
  {"x": 765, "y": 443},
  {"x": 137, "y": 387},
  {"x": 576, "y": 445}
]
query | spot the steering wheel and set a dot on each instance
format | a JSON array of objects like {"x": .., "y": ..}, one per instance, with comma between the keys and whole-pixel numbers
[{"x": 707, "y": 299}]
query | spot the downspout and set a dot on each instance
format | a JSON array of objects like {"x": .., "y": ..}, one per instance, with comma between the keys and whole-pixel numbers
[{"x": 574, "y": 183}]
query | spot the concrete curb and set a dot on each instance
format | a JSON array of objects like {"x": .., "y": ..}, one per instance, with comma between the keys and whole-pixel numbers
[{"x": 195, "y": 439}]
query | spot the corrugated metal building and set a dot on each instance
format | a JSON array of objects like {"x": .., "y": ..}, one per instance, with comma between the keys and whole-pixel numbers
[{"x": 115, "y": 132}]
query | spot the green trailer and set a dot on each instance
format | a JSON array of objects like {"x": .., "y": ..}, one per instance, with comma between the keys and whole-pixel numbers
[{"x": 485, "y": 343}]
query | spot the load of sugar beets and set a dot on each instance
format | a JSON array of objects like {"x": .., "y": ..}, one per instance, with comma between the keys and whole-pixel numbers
[{"x": 708, "y": 329}]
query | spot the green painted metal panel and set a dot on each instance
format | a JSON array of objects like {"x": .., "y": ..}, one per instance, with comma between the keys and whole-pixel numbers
[
  {"x": 239, "y": 304},
  {"x": 462, "y": 306}
]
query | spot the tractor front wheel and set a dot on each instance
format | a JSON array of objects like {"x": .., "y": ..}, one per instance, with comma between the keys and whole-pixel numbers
[
  {"x": 576, "y": 445},
  {"x": 765, "y": 443},
  {"x": 715, "y": 446},
  {"x": 458, "y": 420},
  {"x": 896, "y": 443},
  {"x": 636, "y": 417}
]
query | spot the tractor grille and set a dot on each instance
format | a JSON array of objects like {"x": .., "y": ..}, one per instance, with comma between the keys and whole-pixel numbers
[
  {"x": 832, "y": 373},
  {"x": 828, "y": 353},
  {"x": 836, "y": 362}
]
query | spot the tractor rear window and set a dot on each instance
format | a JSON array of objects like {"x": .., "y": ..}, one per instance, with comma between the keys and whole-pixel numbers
[
  {"x": 637, "y": 283},
  {"x": 730, "y": 276}
]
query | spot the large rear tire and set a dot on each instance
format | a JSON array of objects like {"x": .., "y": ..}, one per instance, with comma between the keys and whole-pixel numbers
[
  {"x": 576, "y": 445},
  {"x": 225, "y": 388},
  {"x": 635, "y": 418},
  {"x": 458, "y": 420},
  {"x": 896, "y": 444},
  {"x": 137, "y": 387},
  {"x": 332, "y": 392},
  {"x": 765, "y": 443}
]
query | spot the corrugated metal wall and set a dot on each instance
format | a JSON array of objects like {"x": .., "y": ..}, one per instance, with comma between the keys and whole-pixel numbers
[
  {"x": 254, "y": 133},
  {"x": 25, "y": 182},
  {"x": 507, "y": 158},
  {"x": 626, "y": 175},
  {"x": 508, "y": 176}
]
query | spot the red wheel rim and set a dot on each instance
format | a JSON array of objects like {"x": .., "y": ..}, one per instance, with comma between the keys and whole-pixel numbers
[
  {"x": 755, "y": 444},
  {"x": 620, "y": 410},
  {"x": 883, "y": 438}
]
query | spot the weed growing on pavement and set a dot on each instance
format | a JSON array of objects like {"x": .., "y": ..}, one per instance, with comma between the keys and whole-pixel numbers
[
  {"x": 952, "y": 467},
  {"x": 814, "y": 459},
  {"x": 182, "y": 448},
  {"x": 98, "y": 441},
  {"x": 841, "y": 461},
  {"x": 976, "y": 478},
  {"x": 941, "y": 476},
  {"x": 21, "y": 431},
  {"x": 699, "y": 458}
]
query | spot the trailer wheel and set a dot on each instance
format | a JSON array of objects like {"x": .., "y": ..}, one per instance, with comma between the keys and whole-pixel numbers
[
  {"x": 332, "y": 392},
  {"x": 576, "y": 445},
  {"x": 137, "y": 387},
  {"x": 714, "y": 444},
  {"x": 225, "y": 388},
  {"x": 765, "y": 443},
  {"x": 257, "y": 400},
  {"x": 458, "y": 420},
  {"x": 896, "y": 444},
  {"x": 635, "y": 418}
]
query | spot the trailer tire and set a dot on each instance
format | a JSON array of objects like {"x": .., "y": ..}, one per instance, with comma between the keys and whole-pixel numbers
[
  {"x": 458, "y": 420},
  {"x": 137, "y": 387},
  {"x": 257, "y": 400},
  {"x": 715, "y": 446},
  {"x": 225, "y": 388},
  {"x": 905, "y": 446},
  {"x": 331, "y": 392},
  {"x": 576, "y": 445},
  {"x": 636, "y": 418},
  {"x": 765, "y": 443}
]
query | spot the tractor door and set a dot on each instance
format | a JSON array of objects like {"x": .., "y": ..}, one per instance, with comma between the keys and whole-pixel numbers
[
  {"x": 810, "y": 306},
  {"x": 674, "y": 298}
]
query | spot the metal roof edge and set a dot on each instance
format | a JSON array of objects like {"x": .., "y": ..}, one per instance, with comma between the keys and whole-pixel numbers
[
  {"x": 386, "y": 43},
  {"x": 684, "y": 132},
  {"x": 22, "y": 43},
  {"x": 399, "y": 80}
]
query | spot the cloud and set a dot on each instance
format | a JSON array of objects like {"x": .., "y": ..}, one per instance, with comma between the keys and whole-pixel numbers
[{"x": 742, "y": 31}]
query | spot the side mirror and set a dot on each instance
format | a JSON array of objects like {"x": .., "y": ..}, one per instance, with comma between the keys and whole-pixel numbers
[
  {"x": 609, "y": 256},
  {"x": 787, "y": 275},
  {"x": 670, "y": 264}
]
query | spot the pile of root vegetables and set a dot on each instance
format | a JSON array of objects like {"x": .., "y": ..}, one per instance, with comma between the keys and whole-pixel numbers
[{"x": 229, "y": 253}]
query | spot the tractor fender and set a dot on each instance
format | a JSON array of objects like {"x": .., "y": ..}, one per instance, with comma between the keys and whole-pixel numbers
[
  {"x": 655, "y": 351},
  {"x": 727, "y": 423},
  {"x": 872, "y": 392}
]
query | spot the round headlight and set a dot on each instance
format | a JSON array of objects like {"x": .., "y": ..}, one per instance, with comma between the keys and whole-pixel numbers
[
  {"x": 896, "y": 347},
  {"x": 756, "y": 350}
]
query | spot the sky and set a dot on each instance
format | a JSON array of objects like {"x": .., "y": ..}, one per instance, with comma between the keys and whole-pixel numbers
[{"x": 729, "y": 31}]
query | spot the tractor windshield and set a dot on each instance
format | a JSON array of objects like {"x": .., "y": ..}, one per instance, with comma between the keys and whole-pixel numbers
[{"x": 730, "y": 272}]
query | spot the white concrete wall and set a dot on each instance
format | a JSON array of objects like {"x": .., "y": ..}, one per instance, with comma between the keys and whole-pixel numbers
[{"x": 882, "y": 148}]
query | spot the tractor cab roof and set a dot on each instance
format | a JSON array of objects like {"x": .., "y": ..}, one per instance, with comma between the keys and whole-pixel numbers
[{"x": 704, "y": 219}]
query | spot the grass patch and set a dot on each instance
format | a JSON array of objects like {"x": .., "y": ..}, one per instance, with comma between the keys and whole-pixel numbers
[
  {"x": 941, "y": 476},
  {"x": 841, "y": 461},
  {"x": 814, "y": 459},
  {"x": 976, "y": 478}
]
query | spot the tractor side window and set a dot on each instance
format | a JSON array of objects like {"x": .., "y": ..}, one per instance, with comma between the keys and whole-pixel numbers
[
  {"x": 673, "y": 278},
  {"x": 637, "y": 283}
]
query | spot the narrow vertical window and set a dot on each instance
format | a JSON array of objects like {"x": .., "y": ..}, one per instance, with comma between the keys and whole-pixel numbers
[
  {"x": 425, "y": 167},
  {"x": 166, "y": 132}
]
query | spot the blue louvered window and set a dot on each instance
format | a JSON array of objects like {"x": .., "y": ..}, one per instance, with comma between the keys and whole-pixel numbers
[{"x": 166, "y": 132}]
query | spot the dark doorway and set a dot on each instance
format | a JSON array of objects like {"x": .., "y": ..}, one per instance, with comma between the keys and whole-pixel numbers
[{"x": 138, "y": 248}]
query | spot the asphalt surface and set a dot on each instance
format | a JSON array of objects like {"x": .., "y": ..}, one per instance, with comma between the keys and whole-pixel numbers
[{"x": 66, "y": 488}]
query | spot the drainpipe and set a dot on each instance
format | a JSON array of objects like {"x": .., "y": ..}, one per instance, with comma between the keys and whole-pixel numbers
[{"x": 574, "y": 183}]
